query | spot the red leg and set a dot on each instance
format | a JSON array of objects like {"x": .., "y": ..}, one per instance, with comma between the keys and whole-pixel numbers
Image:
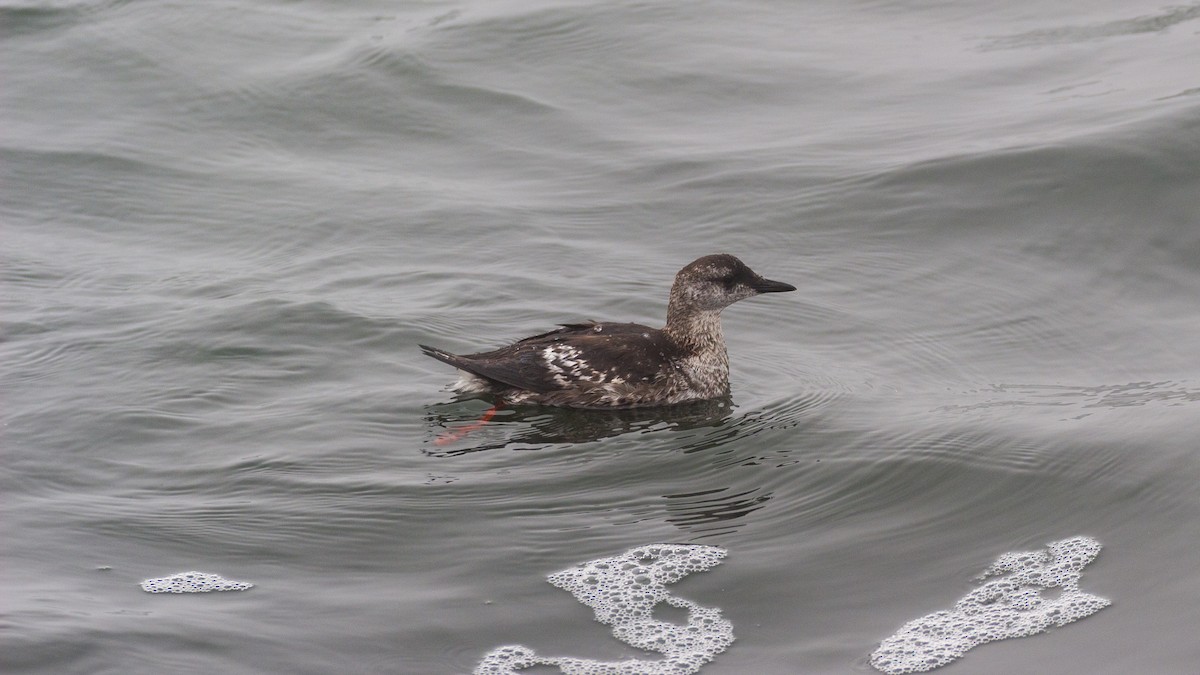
[{"x": 452, "y": 435}]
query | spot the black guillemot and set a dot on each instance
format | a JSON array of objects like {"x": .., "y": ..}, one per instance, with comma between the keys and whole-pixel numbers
[{"x": 624, "y": 365}]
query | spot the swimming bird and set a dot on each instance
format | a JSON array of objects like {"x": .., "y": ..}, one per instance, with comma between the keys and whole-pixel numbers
[{"x": 624, "y": 365}]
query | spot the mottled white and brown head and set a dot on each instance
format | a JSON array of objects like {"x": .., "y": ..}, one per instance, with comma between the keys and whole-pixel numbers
[{"x": 714, "y": 282}]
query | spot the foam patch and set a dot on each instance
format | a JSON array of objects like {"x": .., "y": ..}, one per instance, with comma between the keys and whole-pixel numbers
[
  {"x": 193, "y": 582},
  {"x": 1008, "y": 606},
  {"x": 623, "y": 591}
]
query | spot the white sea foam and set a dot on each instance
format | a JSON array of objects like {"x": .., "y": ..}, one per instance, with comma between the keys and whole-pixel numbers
[
  {"x": 623, "y": 591},
  {"x": 193, "y": 582},
  {"x": 1010, "y": 605}
]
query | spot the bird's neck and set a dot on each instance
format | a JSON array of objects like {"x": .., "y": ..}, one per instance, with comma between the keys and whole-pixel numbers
[
  {"x": 697, "y": 331},
  {"x": 703, "y": 361}
]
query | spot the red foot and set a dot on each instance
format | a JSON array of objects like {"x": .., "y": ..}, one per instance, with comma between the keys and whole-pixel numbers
[{"x": 455, "y": 434}]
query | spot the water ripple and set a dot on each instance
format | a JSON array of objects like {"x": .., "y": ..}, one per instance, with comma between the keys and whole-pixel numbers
[
  {"x": 707, "y": 513},
  {"x": 1044, "y": 37},
  {"x": 1081, "y": 398}
]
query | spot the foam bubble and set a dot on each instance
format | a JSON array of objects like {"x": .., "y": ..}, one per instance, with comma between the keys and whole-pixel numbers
[
  {"x": 1008, "y": 606},
  {"x": 623, "y": 591},
  {"x": 193, "y": 582}
]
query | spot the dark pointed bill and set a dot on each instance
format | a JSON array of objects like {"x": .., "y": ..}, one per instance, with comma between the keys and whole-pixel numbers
[{"x": 767, "y": 286}]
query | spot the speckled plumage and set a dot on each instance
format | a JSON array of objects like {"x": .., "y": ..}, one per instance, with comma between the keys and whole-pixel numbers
[{"x": 624, "y": 365}]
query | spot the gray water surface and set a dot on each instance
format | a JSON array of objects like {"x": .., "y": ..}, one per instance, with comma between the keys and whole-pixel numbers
[{"x": 227, "y": 225}]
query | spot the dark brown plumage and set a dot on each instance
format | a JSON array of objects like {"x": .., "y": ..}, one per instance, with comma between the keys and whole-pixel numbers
[{"x": 622, "y": 365}]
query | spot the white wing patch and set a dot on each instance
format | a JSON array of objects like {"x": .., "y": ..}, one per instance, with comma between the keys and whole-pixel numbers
[{"x": 570, "y": 368}]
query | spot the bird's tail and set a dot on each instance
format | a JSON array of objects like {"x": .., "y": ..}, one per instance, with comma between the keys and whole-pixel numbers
[{"x": 440, "y": 355}]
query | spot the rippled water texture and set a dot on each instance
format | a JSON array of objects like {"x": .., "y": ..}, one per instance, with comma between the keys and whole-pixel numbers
[{"x": 226, "y": 226}]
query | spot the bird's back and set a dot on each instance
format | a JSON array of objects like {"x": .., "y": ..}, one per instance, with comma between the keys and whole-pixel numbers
[{"x": 582, "y": 365}]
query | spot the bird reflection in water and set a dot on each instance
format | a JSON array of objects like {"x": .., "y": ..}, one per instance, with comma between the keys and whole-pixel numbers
[{"x": 458, "y": 430}]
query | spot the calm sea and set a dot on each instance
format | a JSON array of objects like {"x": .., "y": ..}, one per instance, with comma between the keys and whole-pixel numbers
[{"x": 226, "y": 225}]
